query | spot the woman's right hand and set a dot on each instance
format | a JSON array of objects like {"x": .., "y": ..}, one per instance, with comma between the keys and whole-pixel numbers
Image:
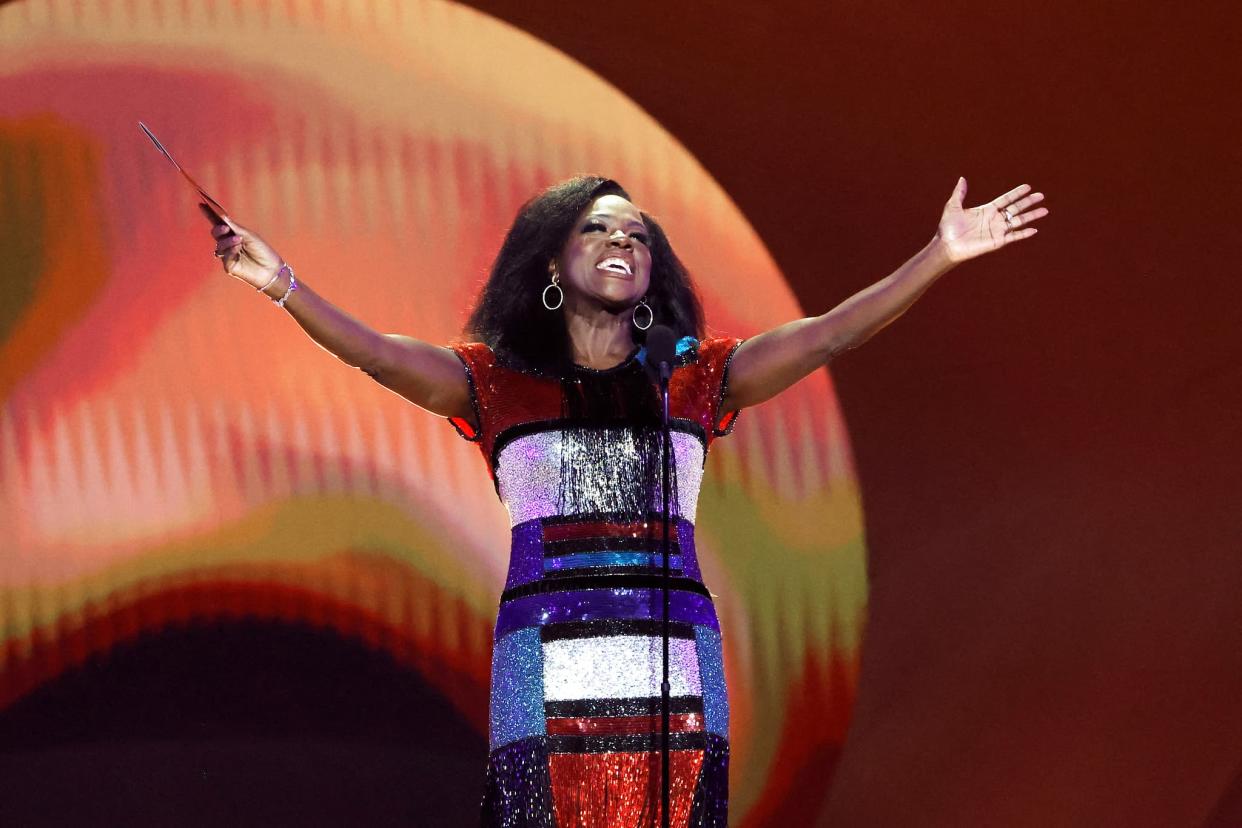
[{"x": 242, "y": 254}]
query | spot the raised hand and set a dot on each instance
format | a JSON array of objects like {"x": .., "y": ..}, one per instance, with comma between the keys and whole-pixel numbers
[
  {"x": 242, "y": 254},
  {"x": 969, "y": 232}
]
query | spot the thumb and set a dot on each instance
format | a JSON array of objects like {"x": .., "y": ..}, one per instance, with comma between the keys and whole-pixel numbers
[
  {"x": 235, "y": 227},
  {"x": 959, "y": 192}
]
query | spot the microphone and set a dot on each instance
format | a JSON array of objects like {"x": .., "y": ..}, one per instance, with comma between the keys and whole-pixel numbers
[{"x": 661, "y": 348}]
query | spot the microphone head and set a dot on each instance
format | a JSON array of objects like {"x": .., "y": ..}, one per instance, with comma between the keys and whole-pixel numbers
[{"x": 661, "y": 345}]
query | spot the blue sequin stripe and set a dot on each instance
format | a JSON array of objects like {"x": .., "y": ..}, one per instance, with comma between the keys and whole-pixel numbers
[
  {"x": 516, "y": 710},
  {"x": 593, "y": 559},
  {"x": 712, "y": 679}
]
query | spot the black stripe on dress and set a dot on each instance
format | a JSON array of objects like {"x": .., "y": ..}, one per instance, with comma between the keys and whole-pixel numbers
[
  {"x": 634, "y": 743},
  {"x": 614, "y": 626},
  {"x": 620, "y": 581},
  {"x": 641, "y": 706}
]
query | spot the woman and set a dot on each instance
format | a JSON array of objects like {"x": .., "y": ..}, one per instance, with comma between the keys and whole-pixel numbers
[{"x": 555, "y": 393}]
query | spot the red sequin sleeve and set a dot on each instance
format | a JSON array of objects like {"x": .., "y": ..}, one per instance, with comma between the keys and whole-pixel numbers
[
  {"x": 712, "y": 369},
  {"x": 478, "y": 361}
]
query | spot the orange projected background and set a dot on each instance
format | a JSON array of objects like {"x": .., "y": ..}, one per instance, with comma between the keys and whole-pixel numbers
[{"x": 186, "y": 480}]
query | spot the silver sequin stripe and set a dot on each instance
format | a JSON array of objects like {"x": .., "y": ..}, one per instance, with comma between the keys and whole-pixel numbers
[{"x": 605, "y": 462}]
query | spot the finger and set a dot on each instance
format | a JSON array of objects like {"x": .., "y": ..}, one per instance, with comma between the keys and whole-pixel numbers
[
  {"x": 222, "y": 221},
  {"x": 1010, "y": 197},
  {"x": 1019, "y": 235},
  {"x": 230, "y": 262},
  {"x": 959, "y": 192},
  {"x": 230, "y": 246},
  {"x": 1022, "y": 204},
  {"x": 1027, "y": 218},
  {"x": 235, "y": 227},
  {"x": 220, "y": 231}
]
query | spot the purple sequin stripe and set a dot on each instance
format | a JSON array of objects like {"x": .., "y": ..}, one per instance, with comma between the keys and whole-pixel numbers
[
  {"x": 526, "y": 556},
  {"x": 710, "y": 808},
  {"x": 518, "y": 790},
  {"x": 603, "y": 604},
  {"x": 689, "y": 558}
]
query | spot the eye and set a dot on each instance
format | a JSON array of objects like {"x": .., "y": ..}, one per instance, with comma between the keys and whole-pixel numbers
[
  {"x": 641, "y": 238},
  {"x": 592, "y": 226}
]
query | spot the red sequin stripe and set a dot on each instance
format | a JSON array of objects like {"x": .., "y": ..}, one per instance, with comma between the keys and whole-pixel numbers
[
  {"x": 596, "y": 529},
  {"x": 623, "y": 725},
  {"x": 621, "y": 790}
]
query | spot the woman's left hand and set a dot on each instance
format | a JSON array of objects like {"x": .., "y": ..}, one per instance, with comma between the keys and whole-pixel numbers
[{"x": 969, "y": 232}]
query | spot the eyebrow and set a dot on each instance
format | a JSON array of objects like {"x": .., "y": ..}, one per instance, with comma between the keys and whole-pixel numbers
[{"x": 631, "y": 222}]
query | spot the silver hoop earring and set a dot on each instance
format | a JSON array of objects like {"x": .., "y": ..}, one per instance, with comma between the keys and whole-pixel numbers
[
  {"x": 560, "y": 294},
  {"x": 642, "y": 303}
]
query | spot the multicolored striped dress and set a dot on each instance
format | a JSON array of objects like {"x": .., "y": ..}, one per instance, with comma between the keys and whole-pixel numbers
[{"x": 576, "y": 670}]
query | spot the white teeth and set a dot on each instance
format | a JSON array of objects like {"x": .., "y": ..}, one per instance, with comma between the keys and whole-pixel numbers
[{"x": 616, "y": 265}]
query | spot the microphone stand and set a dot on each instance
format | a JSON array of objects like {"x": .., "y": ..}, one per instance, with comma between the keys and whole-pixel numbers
[{"x": 665, "y": 689}]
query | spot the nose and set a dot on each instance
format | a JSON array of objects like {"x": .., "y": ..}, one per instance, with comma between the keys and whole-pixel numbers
[{"x": 618, "y": 238}]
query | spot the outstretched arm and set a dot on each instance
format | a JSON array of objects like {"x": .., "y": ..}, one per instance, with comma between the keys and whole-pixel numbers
[
  {"x": 769, "y": 363},
  {"x": 427, "y": 375}
]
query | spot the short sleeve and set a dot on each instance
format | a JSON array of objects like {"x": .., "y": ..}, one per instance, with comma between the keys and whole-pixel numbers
[
  {"x": 715, "y": 358},
  {"x": 478, "y": 361}
]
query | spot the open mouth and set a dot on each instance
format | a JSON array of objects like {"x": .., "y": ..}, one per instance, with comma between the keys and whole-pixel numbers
[{"x": 616, "y": 264}]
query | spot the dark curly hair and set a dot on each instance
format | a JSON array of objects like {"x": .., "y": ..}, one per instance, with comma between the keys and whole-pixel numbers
[{"x": 509, "y": 314}]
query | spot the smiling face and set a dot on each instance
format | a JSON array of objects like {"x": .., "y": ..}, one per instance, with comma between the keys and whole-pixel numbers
[{"x": 606, "y": 259}]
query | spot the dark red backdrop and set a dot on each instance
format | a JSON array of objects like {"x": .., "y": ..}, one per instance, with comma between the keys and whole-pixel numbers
[{"x": 1049, "y": 442}]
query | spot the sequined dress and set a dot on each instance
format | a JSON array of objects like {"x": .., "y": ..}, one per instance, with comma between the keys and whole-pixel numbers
[{"x": 576, "y": 665}]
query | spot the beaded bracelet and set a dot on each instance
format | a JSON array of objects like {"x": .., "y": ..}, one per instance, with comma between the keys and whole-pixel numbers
[
  {"x": 283, "y": 268},
  {"x": 293, "y": 285}
]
